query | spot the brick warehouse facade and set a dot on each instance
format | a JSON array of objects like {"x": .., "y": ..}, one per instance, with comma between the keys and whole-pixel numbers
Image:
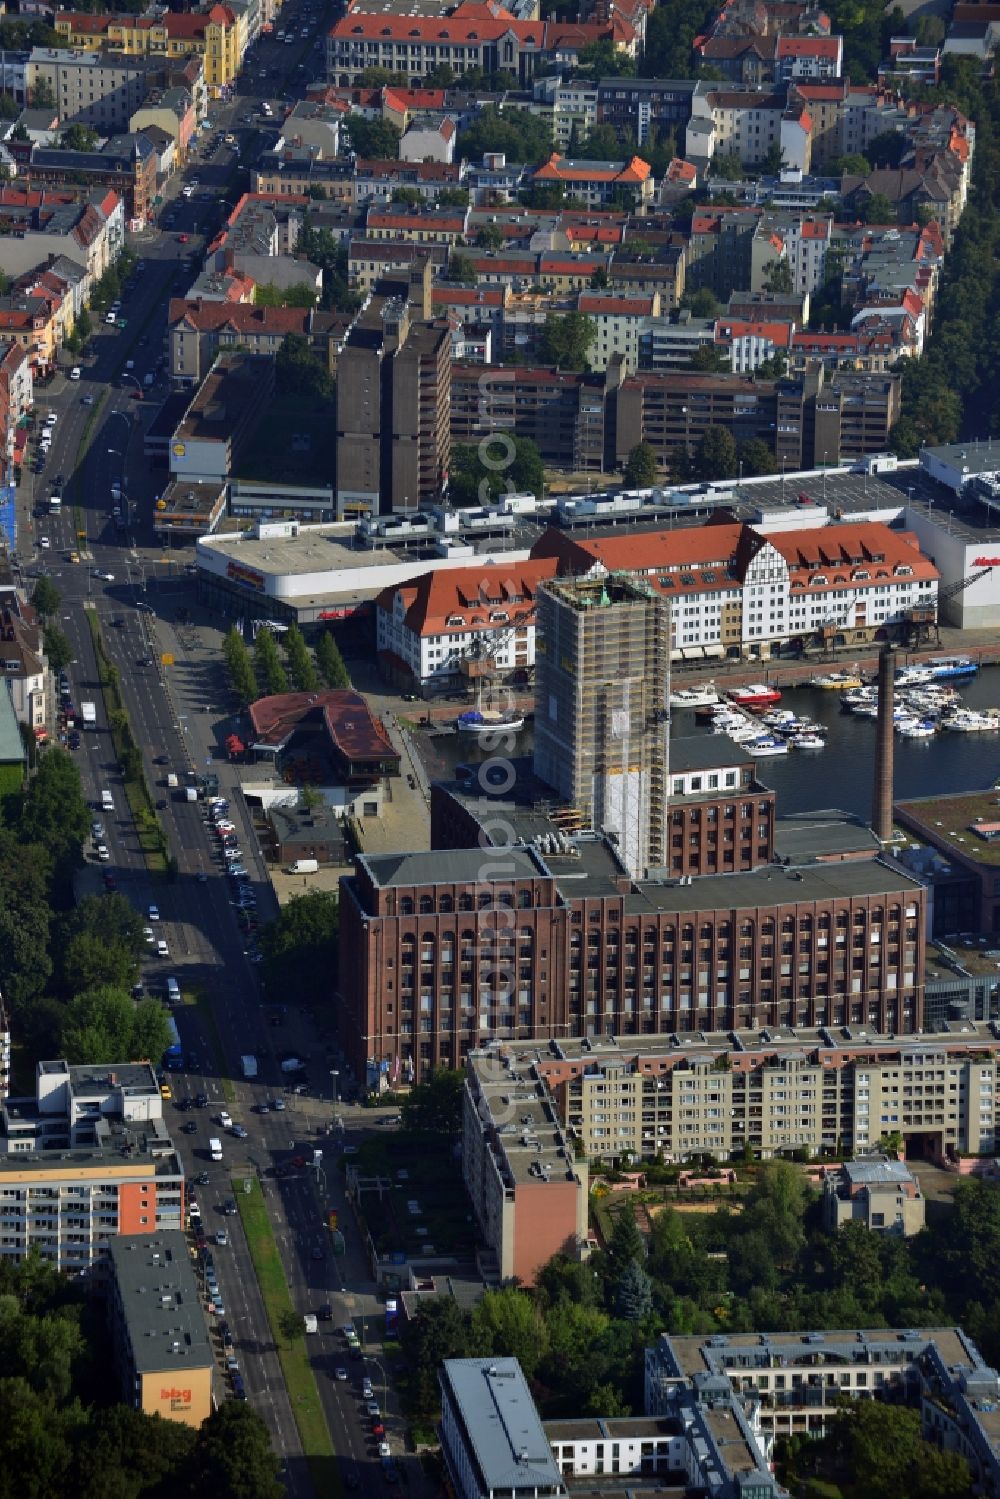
[{"x": 441, "y": 951}]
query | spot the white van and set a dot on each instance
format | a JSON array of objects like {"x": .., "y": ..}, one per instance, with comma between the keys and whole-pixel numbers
[
  {"x": 304, "y": 866},
  {"x": 215, "y": 1149},
  {"x": 107, "y": 802}
]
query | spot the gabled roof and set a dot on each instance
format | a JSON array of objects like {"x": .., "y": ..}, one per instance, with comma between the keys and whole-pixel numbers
[
  {"x": 457, "y": 600},
  {"x": 562, "y": 169}
]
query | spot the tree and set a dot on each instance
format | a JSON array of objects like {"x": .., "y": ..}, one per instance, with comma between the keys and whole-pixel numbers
[
  {"x": 877, "y": 209},
  {"x": 290, "y": 1325},
  {"x": 373, "y": 140},
  {"x": 851, "y": 165},
  {"x": 507, "y": 1323},
  {"x": 79, "y": 138},
  {"x": 46, "y": 597},
  {"x": 54, "y": 813},
  {"x": 436, "y": 1106},
  {"x": 499, "y": 465},
  {"x": 439, "y": 1330},
  {"x": 702, "y": 303},
  {"x": 270, "y": 673},
  {"x": 84, "y": 326},
  {"x": 565, "y": 340},
  {"x": 103, "y": 1025},
  {"x": 25, "y": 962},
  {"x": 9, "y": 107},
  {"x": 625, "y": 1242},
  {"x": 603, "y": 59},
  {"x": 754, "y": 457},
  {"x": 521, "y": 136},
  {"x": 773, "y": 161},
  {"x": 241, "y": 673},
  {"x": 461, "y": 268},
  {"x": 300, "y": 947},
  {"x": 301, "y": 294},
  {"x": 728, "y": 166},
  {"x": 633, "y": 1293},
  {"x": 42, "y": 96},
  {"x": 641, "y": 468},
  {"x": 298, "y": 369},
  {"x": 606, "y": 1401},
  {"x": 710, "y": 359},
  {"x": 888, "y": 148},
  {"x": 331, "y": 662},
  {"x": 490, "y": 237},
  {"x": 778, "y": 277},
  {"x": 378, "y": 77},
  {"x": 233, "y": 1457},
  {"x": 58, "y": 651},
  {"x": 715, "y": 457},
  {"x": 452, "y": 197},
  {"x": 300, "y": 663},
  {"x": 91, "y": 963}
]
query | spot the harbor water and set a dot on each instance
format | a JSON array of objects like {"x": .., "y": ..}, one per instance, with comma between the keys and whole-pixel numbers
[{"x": 840, "y": 775}]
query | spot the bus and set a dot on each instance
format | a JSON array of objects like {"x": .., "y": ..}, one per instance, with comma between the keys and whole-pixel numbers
[{"x": 173, "y": 1057}]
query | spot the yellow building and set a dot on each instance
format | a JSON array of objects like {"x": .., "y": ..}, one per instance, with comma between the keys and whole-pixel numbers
[
  {"x": 218, "y": 35},
  {"x": 158, "y": 1330}
]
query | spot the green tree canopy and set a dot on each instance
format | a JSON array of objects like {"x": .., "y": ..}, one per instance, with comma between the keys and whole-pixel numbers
[
  {"x": 300, "y": 947},
  {"x": 104, "y": 1025},
  {"x": 271, "y": 675},
  {"x": 299, "y": 370},
  {"x": 301, "y": 666},
  {"x": 715, "y": 457},
  {"x": 242, "y": 676},
  {"x": 565, "y": 340},
  {"x": 437, "y": 1104},
  {"x": 504, "y": 464},
  {"x": 331, "y": 662},
  {"x": 641, "y": 468},
  {"x": 46, "y": 597},
  {"x": 54, "y": 814},
  {"x": 373, "y": 140},
  {"x": 58, "y": 650},
  {"x": 233, "y": 1458},
  {"x": 507, "y": 1323}
]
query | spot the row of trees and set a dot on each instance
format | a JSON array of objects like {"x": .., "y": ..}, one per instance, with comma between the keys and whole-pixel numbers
[{"x": 264, "y": 673}]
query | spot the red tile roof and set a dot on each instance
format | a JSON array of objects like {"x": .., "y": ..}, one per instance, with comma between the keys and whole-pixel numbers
[
  {"x": 616, "y": 306},
  {"x": 354, "y": 730},
  {"x": 475, "y": 594},
  {"x": 809, "y": 46},
  {"x": 560, "y": 169}
]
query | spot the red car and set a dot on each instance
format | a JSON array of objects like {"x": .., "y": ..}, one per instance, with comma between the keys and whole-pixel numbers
[
  {"x": 110, "y": 883},
  {"x": 182, "y": 239},
  {"x": 378, "y": 1430}
]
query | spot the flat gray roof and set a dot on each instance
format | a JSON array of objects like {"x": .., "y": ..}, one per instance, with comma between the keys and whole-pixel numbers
[
  {"x": 501, "y": 1424},
  {"x": 877, "y": 1173},
  {"x": 806, "y": 836},
  {"x": 771, "y": 885},
  {"x": 720, "y": 1353},
  {"x": 159, "y": 1295},
  {"x": 706, "y": 752},
  {"x": 455, "y": 866}
]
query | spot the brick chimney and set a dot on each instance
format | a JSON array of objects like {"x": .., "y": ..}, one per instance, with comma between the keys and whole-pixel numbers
[{"x": 884, "y": 746}]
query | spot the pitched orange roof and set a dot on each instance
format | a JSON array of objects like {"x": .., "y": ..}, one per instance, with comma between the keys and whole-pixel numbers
[
  {"x": 561, "y": 169},
  {"x": 454, "y": 600}
]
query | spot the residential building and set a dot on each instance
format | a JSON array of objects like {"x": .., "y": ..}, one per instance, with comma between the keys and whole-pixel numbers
[
  {"x": 221, "y": 417},
  {"x": 528, "y": 1192},
  {"x": 428, "y": 140},
  {"x": 797, "y": 1380},
  {"x": 101, "y": 89},
  {"x": 23, "y": 666},
  {"x": 198, "y": 330},
  {"x": 310, "y": 123},
  {"x": 601, "y": 720},
  {"x": 465, "y": 39},
  {"x": 882, "y": 1194},
  {"x": 125, "y": 163},
  {"x": 811, "y": 58},
  {"x": 87, "y": 1158},
  {"x": 157, "y": 1329},
  {"x": 459, "y": 622},
  {"x": 641, "y": 105},
  {"x": 187, "y": 509},
  {"x": 218, "y": 34},
  {"x": 599, "y": 183},
  {"x": 174, "y": 111},
  {"x": 492, "y": 1439},
  {"x": 568, "y": 415},
  {"x": 37, "y": 227},
  {"x": 620, "y": 324},
  {"x": 393, "y": 393},
  {"x": 708, "y": 1443}
]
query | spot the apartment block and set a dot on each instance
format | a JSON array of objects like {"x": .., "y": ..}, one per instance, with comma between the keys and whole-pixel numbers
[
  {"x": 157, "y": 1328},
  {"x": 125, "y": 163},
  {"x": 393, "y": 394},
  {"x": 796, "y": 1381},
  {"x": 528, "y": 1192},
  {"x": 826, "y": 1089},
  {"x": 86, "y": 1159},
  {"x": 102, "y": 89},
  {"x": 601, "y": 719},
  {"x": 568, "y": 415},
  {"x": 219, "y": 34}
]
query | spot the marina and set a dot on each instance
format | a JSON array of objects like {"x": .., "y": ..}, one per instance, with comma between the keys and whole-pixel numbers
[{"x": 927, "y": 761}]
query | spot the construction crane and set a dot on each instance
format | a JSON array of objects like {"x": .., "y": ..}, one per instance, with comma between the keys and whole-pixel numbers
[
  {"x": 479, "y": 659},
  {"x": 925, "y": 619}
]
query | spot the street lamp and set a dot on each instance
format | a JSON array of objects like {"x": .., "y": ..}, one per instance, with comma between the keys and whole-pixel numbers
[
  {"x": 381, "y": 1369},
  {"x": 334, "y": 1073}
]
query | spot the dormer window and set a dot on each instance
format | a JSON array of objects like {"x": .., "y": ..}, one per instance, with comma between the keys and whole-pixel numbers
[
  {"x": 456, "y": 620},
  {"x": 818, "y": 578}
]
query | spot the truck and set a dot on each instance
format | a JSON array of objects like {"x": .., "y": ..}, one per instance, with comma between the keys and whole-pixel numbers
[
  {"x": 310, "y": 1322},
  {"x": 88, "y": 712},
  {"x": 190, "y": 793},
  {"x": 215, "y": 1148},
  {"x": 249, "y": 1065},
  {"x": 172, "y": 781},
  {"x": 304, "y": 866},
  {"x": 55, "y": 502}
]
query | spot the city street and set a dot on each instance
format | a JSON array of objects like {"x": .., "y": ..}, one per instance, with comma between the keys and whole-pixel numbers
[{"x": 140, "y": 594}]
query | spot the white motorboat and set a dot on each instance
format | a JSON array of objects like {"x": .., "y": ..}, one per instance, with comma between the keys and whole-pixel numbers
[
  {"x": 703, "y": 696},
  {"x": 767, "y": 746},
  {"x": 807, "y": 741},
  {"x": 924, "y": 729}
]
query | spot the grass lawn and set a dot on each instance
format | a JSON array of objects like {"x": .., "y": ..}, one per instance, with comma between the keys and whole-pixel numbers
[
  {"x": 294, "y": 442},
  {"x": 295, "y": 1367}
]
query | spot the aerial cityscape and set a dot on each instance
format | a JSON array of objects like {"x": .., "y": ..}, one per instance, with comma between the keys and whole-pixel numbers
[{"x": 500, "y": 749}]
